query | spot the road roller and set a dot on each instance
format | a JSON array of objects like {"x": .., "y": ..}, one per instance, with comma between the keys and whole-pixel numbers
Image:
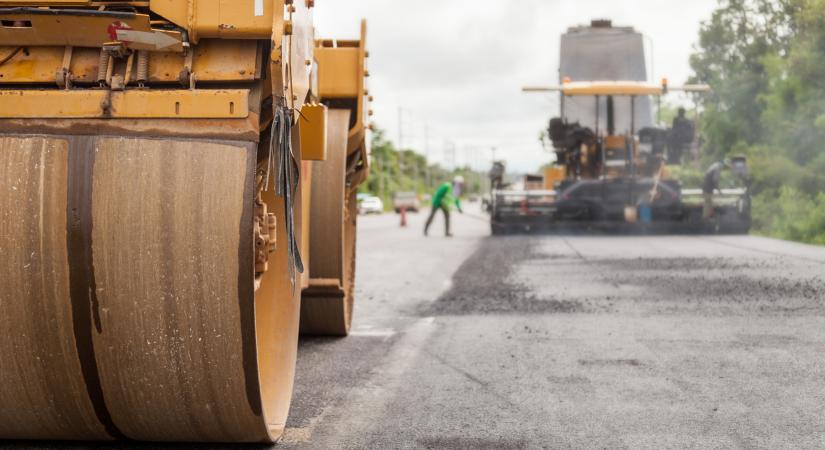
[
  {"x": 155, "y": 198},
  {"x": 328, "y": 300}
]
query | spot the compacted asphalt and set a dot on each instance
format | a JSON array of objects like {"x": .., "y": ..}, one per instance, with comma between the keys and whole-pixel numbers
[
  {"x": 554, "y": 341},
  {"x": 548, "y": 341}
]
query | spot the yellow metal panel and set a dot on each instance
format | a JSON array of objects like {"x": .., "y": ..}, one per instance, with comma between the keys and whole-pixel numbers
[
  {"x": 342, "y": 75},
  {"x": 614, "y": 142},
  {"x": 215, "y": 60},
  {"x": 552, "y": 175},
  {"x": 206, "y": 18},
  {"x": 77, "y": 30},
  {"x": 338, "y": 72},
  {"x": 611, "y": 88},
  {"x": 38, "y": 65},
  {"x": 226, "y": 60},
  {"x": 227, "y": 19},
  {"x": 239, "y": 19},
  {"x": 174, "y": 11},
  {"x": 313, "y": 126},
  {"x": 182, "y": 103},
  {"x": 233, "y": 19},
  {"x": 87, "y": 104}
]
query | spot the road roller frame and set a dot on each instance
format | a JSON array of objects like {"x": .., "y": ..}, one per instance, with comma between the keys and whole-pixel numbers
[
  {"x": 153, "y": 216},
  {"x": 328, "y": 300}
]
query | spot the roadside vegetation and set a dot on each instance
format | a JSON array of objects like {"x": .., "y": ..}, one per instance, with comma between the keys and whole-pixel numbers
[
  {"x": 765, "y": 60},
  {"x": 393, "y": 170}
]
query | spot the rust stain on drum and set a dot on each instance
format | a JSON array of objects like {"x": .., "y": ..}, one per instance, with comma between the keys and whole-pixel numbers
[
  {"x": 129, "y": 293},
  {"x": 173, "y": 359},
  {"x": 43, "y": 391},
  {"x": 83, "y": 290}
]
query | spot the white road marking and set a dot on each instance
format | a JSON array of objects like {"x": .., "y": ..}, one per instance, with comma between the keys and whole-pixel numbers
[{"x": 378, "y": 332}]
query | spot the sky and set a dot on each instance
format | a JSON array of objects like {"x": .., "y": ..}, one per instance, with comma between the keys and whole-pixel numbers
[{"x": 446, "y": 75}]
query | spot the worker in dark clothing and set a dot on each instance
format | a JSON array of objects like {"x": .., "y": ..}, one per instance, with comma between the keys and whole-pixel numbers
[
  {"x": 445, "y": 197},
  {"x": 681, "y": 136},
  {"x": 711, "y": 185},
  {"x": 496, "y": 175}
]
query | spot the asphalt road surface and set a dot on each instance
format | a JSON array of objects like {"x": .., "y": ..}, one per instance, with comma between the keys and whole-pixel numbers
[
  {"x": 554, "y": 341},
  {"x": 570, "y": 341}
]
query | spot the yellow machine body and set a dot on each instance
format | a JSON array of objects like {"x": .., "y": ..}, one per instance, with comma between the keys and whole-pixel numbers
[
  {"x": 313, "y": 125},
  {"x": 100, "y": 104},
  {"x": 553, "y": 175},
  {"x": 151, "y": 267},
  {"x": 328, "y": 300},
  {"x": 342, "y": 83}
]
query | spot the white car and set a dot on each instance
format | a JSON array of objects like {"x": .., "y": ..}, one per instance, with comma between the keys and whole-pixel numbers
[
  {"x": 371, "y": 205},
  {"x": 406, "y": 200}
]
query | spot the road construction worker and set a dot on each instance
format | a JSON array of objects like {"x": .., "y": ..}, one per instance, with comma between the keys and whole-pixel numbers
[
  {"x": 496, "y": 175},
  {"x": 711, "y": 185},
  {"x": 444, "y": 198},
  {"x": 681, "y": 136}
]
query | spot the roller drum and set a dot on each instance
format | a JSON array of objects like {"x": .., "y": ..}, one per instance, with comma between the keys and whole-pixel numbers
[
  {"x": 129, "y": 293},
  {"x": 327, "y": 304}
]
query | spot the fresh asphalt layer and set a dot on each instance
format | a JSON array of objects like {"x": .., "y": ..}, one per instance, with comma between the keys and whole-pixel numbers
[
  {"x": 570, "y": 341},
  {"x": 554, "y": 341}
]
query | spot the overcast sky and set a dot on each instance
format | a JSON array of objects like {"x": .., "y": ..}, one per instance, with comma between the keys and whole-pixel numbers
[{"x": 455, "y": 68}]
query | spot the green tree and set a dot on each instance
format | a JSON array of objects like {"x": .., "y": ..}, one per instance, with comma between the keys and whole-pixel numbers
[
  {"x": 393, "y": 170},
  {"x": 732, "y": 49},
  {"x": 764, "y": 62}
]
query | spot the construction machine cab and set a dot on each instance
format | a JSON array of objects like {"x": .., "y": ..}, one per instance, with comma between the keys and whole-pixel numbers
[
  {"x": 611, "y": 163},
  {"x": 604, "y": 152}
]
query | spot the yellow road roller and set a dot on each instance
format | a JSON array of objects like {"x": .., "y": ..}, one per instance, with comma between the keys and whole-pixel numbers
[
  {"x": 155, "y": 209},
  {"x": 328, "y": 300}
]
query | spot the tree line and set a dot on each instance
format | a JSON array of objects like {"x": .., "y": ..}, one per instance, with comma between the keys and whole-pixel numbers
[
  {"x": 395, "y": 170},
  {"x": 765, "y": 61}
]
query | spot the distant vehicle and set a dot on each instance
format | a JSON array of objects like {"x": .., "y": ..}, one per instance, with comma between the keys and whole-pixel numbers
[
  {"x": 371, "y": 205},
  {"x": 408, "y": 200}
]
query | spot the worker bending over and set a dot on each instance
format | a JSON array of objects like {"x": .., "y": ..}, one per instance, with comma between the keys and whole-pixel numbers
[
  {"x": 711, "y": 185},
  {"x": 445, "y": 197}
]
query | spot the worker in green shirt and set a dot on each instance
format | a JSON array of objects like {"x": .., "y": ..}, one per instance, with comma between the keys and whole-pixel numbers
[{"x": 445, "y": 197}]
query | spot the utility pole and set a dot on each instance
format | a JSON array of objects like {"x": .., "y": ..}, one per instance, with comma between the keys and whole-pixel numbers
[
  {"x": 400, "y": 128},
  {"x": 493, "y": 150},
  {"x": 427, "y": 180},
  {"x": 471, "y": 155},
  {"x": 415, "y": 174},
  {"x": 380, "y": 161},
  {"x": 449, "y": 155},
  {"x": 400, "y": 148}
]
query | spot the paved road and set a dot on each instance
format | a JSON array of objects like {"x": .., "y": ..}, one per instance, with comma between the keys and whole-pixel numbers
[
  {"x": 570, "y": 341},
  {"x": 566, "y": 341}
]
